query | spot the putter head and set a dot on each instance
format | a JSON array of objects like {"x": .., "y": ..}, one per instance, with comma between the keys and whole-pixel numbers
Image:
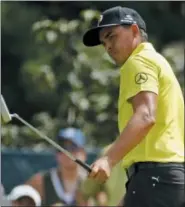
[{"x": 5, "y": 115}]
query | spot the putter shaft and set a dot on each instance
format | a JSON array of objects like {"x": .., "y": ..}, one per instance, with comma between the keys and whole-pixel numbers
[
  {"x": 7, "y": 117},
  {"x": 44, "y": 137},
  {"x": 82, "y": 164}
]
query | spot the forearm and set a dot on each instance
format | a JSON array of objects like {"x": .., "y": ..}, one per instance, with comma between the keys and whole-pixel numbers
[{"x": 136, "y": 129}]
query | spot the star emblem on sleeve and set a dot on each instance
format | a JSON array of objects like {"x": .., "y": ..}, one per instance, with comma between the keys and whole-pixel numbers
[{"x": 141, "y": 78}]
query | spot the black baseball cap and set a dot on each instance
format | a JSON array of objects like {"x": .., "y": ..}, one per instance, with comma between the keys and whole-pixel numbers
[{"x": 111, "y": 17}]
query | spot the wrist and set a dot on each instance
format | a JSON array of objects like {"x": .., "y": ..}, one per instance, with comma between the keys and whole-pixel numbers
[{"x": 112, "y": 162}]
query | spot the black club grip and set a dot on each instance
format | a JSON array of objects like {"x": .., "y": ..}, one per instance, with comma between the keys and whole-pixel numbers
[{"x": 84, "y": 165}]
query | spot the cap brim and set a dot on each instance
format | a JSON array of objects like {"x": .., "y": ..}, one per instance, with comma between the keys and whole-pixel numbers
[
  {"x": 91, "y": 37},
  {"x": 61, "y": 138}
]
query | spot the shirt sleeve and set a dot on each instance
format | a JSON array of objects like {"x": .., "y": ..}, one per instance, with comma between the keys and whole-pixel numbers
[{"x": 141, "y": 75}]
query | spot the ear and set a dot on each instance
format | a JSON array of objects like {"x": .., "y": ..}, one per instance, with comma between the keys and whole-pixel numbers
[{"x": 135, "y": 29}]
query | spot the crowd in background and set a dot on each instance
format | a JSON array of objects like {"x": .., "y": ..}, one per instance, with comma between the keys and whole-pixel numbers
[{"x": 68, "y": 183}]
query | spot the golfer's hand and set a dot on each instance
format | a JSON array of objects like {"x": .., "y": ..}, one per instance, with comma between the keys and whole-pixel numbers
[{"x": 101, "y": 170}]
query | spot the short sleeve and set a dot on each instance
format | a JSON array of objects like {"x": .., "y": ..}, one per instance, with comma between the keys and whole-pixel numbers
[{"x": 141, "y": 75}]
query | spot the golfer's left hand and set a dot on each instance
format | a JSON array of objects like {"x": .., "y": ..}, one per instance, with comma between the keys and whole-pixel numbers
[{"x": 101, "y": 169}]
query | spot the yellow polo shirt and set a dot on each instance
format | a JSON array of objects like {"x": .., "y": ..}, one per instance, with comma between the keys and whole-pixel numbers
[{"x": 147, "y": 70}]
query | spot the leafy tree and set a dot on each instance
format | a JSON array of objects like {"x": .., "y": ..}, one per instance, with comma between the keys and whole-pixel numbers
[{"x": 57, "y": 82}]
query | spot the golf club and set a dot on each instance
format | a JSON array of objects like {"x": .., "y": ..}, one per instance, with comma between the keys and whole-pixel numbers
[{"x": 7, "y": 117}]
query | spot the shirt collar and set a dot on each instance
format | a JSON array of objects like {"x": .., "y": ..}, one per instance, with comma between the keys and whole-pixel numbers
[
  {"x": 139, "y": 48},
  {"x": 142, "y": 46}
]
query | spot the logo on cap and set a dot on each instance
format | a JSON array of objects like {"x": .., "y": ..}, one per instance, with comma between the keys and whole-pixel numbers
[
  {"x": 128, "y": 17},
  {"x": 100, "y": 19}
]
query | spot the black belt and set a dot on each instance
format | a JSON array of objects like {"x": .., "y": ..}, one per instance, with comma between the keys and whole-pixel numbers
[{"x": 134, "y": 168}]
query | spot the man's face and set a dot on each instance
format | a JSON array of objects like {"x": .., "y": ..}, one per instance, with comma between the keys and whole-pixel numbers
[
  {"x": 118, "y": 42},
  {"x": 77, "y": 152}
]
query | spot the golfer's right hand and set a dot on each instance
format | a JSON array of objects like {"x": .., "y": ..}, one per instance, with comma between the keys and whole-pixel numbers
[{"x": 101, "y": 170}]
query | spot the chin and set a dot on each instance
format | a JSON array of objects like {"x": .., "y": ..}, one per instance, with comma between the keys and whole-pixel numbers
[
  {"x": 71, "y": 167},
  {"x": 122, "y": 62},
  {"x": 118, "y": 63},
  {"x": 115, "y": 61}
]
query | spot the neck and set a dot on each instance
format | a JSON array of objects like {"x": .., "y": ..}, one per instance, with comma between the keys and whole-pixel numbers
[
  {"x": 69, "y": 178},
  {"x": 136, "y": 43},
  {"x": 68, "y": 174}
]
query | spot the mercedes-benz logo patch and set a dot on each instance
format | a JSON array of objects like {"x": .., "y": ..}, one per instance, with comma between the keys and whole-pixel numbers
[{"x": 141, "y": 78}]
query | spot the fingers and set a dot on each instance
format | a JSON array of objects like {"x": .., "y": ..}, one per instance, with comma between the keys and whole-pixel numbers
[
  {"x": 100, "y": 170},
  {"x": 99, "y": 174},
  {"x": 101, "y": 178},
  {"x": 94, "y": 171}
]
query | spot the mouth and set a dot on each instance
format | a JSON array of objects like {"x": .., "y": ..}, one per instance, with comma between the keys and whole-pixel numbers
[{"x": 111, "y": 54}]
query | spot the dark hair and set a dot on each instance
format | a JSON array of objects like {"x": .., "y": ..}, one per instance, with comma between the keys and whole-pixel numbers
[
  {"x": 144, "y": 35},
  {"x": 22, "y": 198}
]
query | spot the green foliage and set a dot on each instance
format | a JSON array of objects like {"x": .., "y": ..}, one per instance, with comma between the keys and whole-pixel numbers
[
  {"x": 55, "y": 80},
  {"x": 174, "y": 53}
]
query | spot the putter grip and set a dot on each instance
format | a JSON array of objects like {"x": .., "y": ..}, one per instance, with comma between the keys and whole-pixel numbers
[{"x": 84, "y": 165}]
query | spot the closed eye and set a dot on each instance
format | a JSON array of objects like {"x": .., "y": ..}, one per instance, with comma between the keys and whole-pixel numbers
[
  {"x": 111, "y": 37},
  {"x": 108, "y": 37}
]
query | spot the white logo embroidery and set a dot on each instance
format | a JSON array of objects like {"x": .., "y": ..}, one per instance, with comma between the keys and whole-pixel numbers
[
  {"x": 129, "y": 17},
  {"x": 100, "y": 19},
  {"x": 155, "y": 178}
]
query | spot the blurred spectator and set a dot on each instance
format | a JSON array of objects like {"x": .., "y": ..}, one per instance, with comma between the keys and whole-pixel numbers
[
  {"x": 2, "y": 189},
  {"x": 102, "y": 198},
  {"x": 58, "y": 204},
  {"x": 61, "y": 184},
  {"x": 4, "y": 200},
  {"x": 24, "y": 195},
  {"x": 94, "y": 194}
]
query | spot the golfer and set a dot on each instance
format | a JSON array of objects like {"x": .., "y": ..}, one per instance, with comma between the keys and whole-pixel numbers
[{"x": 150, "y": 114}]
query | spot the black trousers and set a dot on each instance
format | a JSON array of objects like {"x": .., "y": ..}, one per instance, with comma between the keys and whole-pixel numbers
[{"x": 155, "y": 185}]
